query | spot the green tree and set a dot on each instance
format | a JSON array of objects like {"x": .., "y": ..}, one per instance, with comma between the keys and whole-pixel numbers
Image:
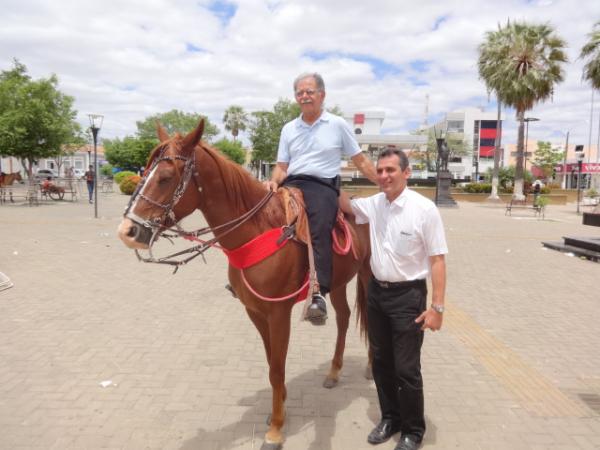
[
  {"x": 129, "y": 153},
  {"x": 266, "y": 126},
  {"x": 233, "y": 149},
  {"x": 521, "y": 65},
  {"x": 335, "y": 109},
  {"x": 591, "y": 52},
  {"x": 175, "y": 121},
  {"x": 36, "y": 119},
  {"x": 235, "y": 120},
  {"x": 488, "y": 49},
  {"x": 546, "y": 157}
]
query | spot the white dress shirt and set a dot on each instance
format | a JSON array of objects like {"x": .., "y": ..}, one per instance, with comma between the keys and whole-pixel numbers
[{"x": 404, "y": 234}]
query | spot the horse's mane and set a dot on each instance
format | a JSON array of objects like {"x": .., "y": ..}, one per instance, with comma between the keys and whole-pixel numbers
[
  {"x": 234, "y": 176},
  {"x": 240, "y": 183}
]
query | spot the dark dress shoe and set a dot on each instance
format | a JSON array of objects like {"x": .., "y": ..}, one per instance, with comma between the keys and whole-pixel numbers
[
  {"x": 407, "y": 443},
  {"x": 317, "y": 311},
  {"x": 382, "y": 432}
]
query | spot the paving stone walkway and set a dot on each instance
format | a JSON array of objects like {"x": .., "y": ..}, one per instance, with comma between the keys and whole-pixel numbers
[{"x": 98, "y": 351}]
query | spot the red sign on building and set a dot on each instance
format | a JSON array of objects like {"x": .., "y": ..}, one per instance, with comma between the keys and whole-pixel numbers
[{"x": 572, "y": 167}]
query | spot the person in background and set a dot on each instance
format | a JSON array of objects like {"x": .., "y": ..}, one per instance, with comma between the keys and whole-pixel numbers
[{"x": 89, "y": 179}]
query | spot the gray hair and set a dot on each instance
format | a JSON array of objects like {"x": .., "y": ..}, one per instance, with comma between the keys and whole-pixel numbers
[
  {"x": 318, "y": 79},
  {"x": 389, "y": 151}
]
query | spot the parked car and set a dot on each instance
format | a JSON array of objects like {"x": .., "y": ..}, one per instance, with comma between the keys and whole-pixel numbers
[
  {"x": 78, "y": 173},
  {"x": 42, "y": 174}
]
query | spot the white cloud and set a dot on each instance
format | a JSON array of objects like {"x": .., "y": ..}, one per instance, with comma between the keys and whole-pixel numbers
[{"x": 128, "y": 59}]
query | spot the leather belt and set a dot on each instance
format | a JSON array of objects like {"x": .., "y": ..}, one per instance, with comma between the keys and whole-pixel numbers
[{"x": 399, "y": 284}]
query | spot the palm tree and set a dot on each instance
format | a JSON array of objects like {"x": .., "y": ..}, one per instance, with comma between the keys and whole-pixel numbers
[
  {"x": 521, "y": 63},
  {"x": 591, "y": 70},
  {"x": 235, "y": 120},
  {"x": 591, "y": 50}
]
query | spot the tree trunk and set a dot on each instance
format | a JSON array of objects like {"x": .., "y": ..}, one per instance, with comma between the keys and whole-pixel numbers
[
  {"x": 495, "y": 178},
  {"x": 518, "y": 187}
]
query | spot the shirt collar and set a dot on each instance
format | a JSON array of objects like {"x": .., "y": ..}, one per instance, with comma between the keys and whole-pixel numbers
[
  {"x": 324, "y": 117},
  {"x": 399, "y": 201}
]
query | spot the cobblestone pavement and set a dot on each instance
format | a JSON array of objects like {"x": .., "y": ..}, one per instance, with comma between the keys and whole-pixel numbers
[{"x": 516, "y": 365}]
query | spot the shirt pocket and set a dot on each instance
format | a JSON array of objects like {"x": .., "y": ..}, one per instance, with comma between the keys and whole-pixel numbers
[{"x": 406, "y": 243}]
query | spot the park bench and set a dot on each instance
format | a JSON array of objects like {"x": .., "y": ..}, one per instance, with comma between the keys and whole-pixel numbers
[
  {"x": 107, "y": 186},
  {"x": 528, "y": 203}
]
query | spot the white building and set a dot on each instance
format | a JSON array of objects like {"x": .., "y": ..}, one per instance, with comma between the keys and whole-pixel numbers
[
  {"x": 80, "y": 159},
  {"x": 478, "y": 130},
  {"x": 367, "y": 130}
]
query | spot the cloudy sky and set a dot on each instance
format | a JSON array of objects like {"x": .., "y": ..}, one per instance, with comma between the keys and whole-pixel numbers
[{"x": 128, "y": 59}]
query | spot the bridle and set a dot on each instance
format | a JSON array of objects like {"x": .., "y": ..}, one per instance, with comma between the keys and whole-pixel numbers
[
  {"x": 157, "y": 223},
  {"x": 157, "y": 227}
]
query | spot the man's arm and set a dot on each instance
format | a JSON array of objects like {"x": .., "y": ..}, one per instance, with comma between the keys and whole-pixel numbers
[
  {"x": 432, "y": 319},
  {"x": 366, "y": 167},
  {"x": 279, "y": 174}
]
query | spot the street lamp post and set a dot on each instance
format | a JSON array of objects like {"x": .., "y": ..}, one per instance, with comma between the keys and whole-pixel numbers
[
  {"x": 580, "y": 157},
  {"x": 95, "y": 125},
  {"x": 527, "y": 120}
]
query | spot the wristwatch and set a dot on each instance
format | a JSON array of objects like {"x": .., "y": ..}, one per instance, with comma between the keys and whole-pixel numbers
[{"x": 437, "y": 308}]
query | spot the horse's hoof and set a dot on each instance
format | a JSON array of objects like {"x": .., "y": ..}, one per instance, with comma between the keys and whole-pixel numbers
[
  {"x": 330, "y": 383},
  {"x": 270, "y": 446},
  {"x": 368, "y": 373}
]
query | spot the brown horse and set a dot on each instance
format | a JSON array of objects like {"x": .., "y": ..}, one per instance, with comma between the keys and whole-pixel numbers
[
  {"x": 184, "y": 174},
  {"x": 7, "y": 179}
]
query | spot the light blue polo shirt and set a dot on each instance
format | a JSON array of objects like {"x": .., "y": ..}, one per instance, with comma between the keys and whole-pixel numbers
[{"x": 316, "y": 149}]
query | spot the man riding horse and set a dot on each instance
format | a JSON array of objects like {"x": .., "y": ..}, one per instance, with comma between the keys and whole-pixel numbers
[{"x": 309, "y": 158}]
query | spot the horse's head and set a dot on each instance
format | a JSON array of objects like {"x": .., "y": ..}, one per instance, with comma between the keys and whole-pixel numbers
[{"x": 162, "y": 197}]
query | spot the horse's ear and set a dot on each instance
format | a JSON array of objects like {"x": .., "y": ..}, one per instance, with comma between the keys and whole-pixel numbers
[
  {"x": 163, "y": 136},
  {"x": 193, "y": 138}
]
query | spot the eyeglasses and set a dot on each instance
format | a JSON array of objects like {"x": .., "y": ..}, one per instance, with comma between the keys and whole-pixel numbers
[{"x": 309, "y": 92}]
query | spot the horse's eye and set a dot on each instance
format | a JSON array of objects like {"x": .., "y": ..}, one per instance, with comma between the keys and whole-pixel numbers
[{"x": 164, "y": 180}]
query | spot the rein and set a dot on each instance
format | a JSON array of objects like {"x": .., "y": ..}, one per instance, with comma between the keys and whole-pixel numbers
[
  {"x": 158, "y": 228},
  {"x": 195, "y": 236}
]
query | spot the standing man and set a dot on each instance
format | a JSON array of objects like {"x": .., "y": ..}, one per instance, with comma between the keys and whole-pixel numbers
[
  {"x": 407, "y": 245},
  {"x": 89, "y": 179},
  {"x": 309, "y": 158}
]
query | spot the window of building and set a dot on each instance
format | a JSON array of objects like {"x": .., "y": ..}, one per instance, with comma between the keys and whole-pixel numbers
[{"x": 456, "y": 126}]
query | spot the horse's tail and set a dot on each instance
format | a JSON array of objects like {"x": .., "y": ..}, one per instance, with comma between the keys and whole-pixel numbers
[{"x": 361, "y": 303}]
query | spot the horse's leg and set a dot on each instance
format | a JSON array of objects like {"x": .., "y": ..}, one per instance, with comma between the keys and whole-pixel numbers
[
  {"x": 279, "y": 337},
  {"x": 342, "y": 318},
  {"x": 261, "y": 324}
]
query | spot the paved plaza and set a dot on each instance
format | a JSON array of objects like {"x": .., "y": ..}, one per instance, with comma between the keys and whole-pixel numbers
[{"x": 99, "y": 351}]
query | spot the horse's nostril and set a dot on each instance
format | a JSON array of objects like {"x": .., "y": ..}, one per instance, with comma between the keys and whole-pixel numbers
[{"x": 132, "y": 231}]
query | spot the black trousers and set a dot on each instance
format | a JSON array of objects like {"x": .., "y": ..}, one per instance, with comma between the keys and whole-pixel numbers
[
  {"x": 396, "y": 341},
  {"x": 321, "y": 202}
]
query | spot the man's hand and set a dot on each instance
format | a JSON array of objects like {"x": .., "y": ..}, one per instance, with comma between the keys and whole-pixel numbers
[
  {"x": 431, "y": 319},
  {"x": 270, "y": 185}
]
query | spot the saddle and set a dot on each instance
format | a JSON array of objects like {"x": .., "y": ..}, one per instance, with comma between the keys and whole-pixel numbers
[{"x": 295, "y": 214}]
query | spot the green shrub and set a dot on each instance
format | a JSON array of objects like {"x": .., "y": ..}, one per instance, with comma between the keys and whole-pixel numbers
[
  {"x": 542, "y": 201},
  {"x": 478, "y": 188},
  {"x": 591, "y": 193},
  {"x": 106, "y": 170},
  {"x": 129, "y": 184},
  {"x": 545, "y": 190},
  {"x": 119, "y": 177}
]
